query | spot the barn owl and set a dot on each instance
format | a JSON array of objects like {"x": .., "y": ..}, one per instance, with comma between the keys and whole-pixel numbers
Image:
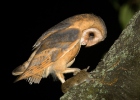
[{"x": 55, "y": 51}]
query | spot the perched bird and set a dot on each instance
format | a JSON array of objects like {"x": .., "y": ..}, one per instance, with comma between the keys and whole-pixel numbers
[{"x": 55, "y": 51}]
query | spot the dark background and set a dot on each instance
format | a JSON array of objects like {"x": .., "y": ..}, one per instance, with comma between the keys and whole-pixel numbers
[{"x": 25, "y": 22}]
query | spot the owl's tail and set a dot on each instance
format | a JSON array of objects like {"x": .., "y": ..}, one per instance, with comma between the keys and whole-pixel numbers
[{"x": 36, "y": 78}]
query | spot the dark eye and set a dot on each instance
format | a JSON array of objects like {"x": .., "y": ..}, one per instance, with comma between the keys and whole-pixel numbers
[{"x": 91, "y": 35}]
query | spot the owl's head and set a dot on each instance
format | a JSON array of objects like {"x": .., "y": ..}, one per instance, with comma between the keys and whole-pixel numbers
[{"x": 92, "y": 27}]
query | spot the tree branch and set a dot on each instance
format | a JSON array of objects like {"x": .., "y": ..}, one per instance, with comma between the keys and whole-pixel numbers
[{"x": 117, "y": 76}]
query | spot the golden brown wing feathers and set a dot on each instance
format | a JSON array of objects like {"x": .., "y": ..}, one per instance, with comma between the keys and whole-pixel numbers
[{"x": 59, "y": 46}]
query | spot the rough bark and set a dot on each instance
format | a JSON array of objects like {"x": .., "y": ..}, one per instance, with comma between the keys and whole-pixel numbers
[{"x": 117, "y": 76}]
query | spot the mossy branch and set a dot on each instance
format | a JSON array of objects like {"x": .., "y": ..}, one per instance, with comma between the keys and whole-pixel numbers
[{"x": 117, "y": 76}]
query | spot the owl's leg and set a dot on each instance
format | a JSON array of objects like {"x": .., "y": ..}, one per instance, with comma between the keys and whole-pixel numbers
[
  {"x": 60, "y": 77},
  {"x": 72, "y": 70},
  {"x": 70, "y": 63}
]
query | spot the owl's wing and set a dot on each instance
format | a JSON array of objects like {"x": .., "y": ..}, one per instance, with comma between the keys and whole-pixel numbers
[
  {"x": 60, "y": 26},
  {"x": 51, "y": 49}
]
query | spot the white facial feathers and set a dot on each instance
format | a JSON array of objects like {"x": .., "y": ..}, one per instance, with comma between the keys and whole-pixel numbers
[{"x": 91, "y": 37}]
